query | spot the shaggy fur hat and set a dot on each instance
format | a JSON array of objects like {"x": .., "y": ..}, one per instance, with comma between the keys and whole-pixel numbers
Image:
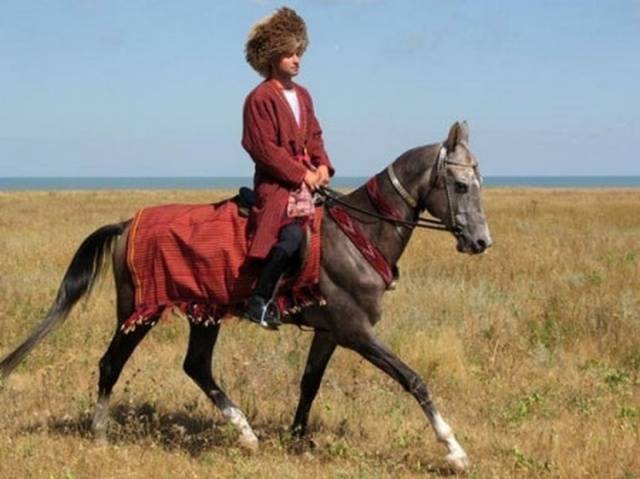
[{"x": 279, "y": 33}]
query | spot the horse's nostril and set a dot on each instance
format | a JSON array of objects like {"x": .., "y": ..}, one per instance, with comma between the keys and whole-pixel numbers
[{"x": 482, "y": 244}]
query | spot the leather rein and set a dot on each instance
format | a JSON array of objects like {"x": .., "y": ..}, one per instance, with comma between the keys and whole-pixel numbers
[{"x": 332, "y": 196}]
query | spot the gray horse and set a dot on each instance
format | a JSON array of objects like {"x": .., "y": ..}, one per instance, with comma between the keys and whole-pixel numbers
[{"x": 441, "y": 178}]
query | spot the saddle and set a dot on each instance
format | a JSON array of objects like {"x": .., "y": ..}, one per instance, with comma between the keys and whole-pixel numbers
[
  {"x": 245, "y": 199},
  {"x": 194, "y": 258}
]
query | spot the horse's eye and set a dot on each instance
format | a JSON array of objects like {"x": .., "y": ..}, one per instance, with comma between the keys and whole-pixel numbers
[{"x": 461, "y": 187}]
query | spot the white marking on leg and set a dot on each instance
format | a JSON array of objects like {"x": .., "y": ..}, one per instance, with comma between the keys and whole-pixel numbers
[
  {"x": 99, "y": 424},
  {"x": 456, "y": 457},
  {"x": 235, "y": 416}
]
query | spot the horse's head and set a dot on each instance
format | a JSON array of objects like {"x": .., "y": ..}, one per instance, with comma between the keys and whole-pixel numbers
[{"x": 451, "y": 192}]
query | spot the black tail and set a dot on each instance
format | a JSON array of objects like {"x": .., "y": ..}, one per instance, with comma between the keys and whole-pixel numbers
[{"x": 80, "y": 277}]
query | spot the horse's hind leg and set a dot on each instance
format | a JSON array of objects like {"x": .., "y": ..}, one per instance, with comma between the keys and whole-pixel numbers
[
  {"x": 322, "y": 347},
  {"x": 111, "y": 364},
  {"x": 122, "y": 345},
  {"x": 197, "y": 365}
]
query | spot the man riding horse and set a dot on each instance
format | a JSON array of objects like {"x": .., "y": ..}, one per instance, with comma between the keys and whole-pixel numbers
[
  {"x": 283, "y": 137},
  {"x": 154, "y": 273}
]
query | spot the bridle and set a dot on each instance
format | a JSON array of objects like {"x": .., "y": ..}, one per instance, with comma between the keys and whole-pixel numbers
[{"x": 442, "y": 161}]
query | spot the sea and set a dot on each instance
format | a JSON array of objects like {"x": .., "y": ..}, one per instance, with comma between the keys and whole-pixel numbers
[{"x": 233, "y": 182}]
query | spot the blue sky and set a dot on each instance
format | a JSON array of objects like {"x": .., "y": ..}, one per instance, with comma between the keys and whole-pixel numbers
[{"x": 155, "y": 88}]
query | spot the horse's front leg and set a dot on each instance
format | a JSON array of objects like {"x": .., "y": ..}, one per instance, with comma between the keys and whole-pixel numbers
[
  {"x": 322, "y": 347},
  {"x": 367, "y": 345}
]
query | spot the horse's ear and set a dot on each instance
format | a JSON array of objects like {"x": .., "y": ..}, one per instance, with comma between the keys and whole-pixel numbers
[
  {"x": 458, "y": 132},
  {"x": 452, "y": 139},
  {"x": 464, "y": 126}
]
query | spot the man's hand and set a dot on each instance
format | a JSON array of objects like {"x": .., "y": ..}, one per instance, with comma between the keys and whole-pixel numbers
[
  {"x": 312, "y": 179},
  {"x": 323, "y": 175}
]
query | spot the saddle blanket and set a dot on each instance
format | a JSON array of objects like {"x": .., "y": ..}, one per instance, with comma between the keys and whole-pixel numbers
[{"x": 194, "y": 258}]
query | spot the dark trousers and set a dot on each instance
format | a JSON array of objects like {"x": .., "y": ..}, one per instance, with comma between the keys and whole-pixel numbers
[{"x": 290, "y": 239}]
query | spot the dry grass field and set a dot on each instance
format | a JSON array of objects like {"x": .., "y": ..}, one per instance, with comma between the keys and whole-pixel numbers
[{"x": 532, "y": 353}]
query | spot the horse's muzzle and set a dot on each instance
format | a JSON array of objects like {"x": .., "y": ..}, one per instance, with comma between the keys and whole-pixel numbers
[{"x": 473, "y": 246}]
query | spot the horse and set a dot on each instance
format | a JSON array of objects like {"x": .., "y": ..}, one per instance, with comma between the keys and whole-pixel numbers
[{"x": 441, "y": 178}]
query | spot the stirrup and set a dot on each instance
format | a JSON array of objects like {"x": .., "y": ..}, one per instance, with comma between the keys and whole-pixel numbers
[{"x": 265, "y": 314}]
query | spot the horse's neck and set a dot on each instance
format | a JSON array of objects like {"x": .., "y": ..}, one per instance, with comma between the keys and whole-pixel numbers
[
  {"x": 390, "y": 239},
  {"x": 411, "y": 168}
]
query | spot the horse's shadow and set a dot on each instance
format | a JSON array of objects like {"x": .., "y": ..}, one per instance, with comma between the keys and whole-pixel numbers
[
  {"x": 190, "y": 433},
  {"x": 129, "y": 424}
]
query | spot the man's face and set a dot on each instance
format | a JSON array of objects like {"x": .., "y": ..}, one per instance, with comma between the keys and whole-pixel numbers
[{"x": 287, "y": 65}]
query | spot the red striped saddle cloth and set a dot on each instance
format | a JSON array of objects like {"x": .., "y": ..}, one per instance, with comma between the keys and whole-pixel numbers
[{"x": 194, "y": 258}]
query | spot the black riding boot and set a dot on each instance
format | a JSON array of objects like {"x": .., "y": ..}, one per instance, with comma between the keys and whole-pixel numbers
[{"x": 258, "y": 307}]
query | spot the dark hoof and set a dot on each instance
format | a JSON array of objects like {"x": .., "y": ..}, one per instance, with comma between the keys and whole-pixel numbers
[
  {"x": 297, "y": 443},
  {"x": 300, "y": 445}
]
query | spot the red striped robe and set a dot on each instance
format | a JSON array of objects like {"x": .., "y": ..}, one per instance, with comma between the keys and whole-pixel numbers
[{"x": 276, "y": 144}]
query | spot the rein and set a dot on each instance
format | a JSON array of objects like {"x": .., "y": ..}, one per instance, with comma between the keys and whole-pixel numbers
[
  {"x": 332, "y": 196},
  {"x": 392, "y": 216}
]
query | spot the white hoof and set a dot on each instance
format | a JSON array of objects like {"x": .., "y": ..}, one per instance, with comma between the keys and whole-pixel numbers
[
  {"x": 99, "y": 428},
  {"x": 248, "y": 439},
  {"x": 101, "y": 440},
  {"x": 458, "y": 462},
  {"x": 248, "y": 442}
]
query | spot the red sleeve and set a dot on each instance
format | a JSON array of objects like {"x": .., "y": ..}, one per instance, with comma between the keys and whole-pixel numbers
[
  {"x": 315, "y": 144},
  {"x": 259, "y": 139}
]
